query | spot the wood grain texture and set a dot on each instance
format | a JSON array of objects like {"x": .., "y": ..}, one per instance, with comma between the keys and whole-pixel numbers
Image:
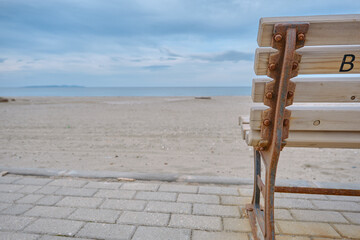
[
  {"x": 315, "y": 60},
  {"x": 321, "y": 118},
  {"x": 313, "y": 139},
  {"x": 323, "y": 30},
  {"x": 315, "y": 89}
]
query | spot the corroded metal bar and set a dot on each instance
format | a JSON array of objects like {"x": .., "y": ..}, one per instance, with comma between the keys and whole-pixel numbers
[{"x": 324, "y": 191}]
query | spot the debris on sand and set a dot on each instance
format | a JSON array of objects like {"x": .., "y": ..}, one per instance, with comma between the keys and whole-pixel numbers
[
  {"x": 6, "y": 99},
  {"x": 206, "y": 98}
]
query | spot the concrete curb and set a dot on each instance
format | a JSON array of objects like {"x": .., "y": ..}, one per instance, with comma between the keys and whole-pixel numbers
[{"x": 168, "y": 177}]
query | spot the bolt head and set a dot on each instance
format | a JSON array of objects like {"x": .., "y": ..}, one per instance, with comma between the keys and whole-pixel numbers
[
  {"x": 352, "y": 98},
  {"x": 262, "y": 149},
  {"x": 269, "y": 95},
  {"x": 295, "y": 65},
  {"x": 316, "y": 123},
  {"x": 272, "y": 66},
  {"x": 286, "y": 122},
  {"x": 290, "y": 94},
  {"x": 266, "y": 122},
  {"x": 278, "y": 37},
  {"x": 301, "y": 36}
]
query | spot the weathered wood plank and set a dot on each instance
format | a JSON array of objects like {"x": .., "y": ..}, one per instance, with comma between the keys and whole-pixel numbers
[
  {"x": 315, "y": 60},
  {"x": 309, "y": 118},
  {"x": 313, "y": 139},
  {"x": 323, "y": 30},
  {"x": 315, "y": 89},
  {"x": 244, "y": 127}
]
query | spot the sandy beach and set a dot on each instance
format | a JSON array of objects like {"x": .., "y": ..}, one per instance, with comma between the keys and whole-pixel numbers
[{"x": 150, "y": 134}]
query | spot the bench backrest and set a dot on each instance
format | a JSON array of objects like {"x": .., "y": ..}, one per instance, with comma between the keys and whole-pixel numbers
[{"x": 332, "y": 46}]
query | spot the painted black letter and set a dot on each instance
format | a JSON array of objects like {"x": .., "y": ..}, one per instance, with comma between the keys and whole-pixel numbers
[{"x": 350, "y": 63}]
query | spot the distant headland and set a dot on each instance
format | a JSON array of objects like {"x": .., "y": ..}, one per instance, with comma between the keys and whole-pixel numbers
[{"x": 55, "y": 86}]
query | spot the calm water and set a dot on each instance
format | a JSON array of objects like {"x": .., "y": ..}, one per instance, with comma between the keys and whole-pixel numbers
[{"x": 126, "y": 91}]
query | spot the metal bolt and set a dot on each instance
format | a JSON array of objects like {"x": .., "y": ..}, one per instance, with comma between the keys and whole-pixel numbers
[
  {"x": 272, "y": 66},
  {"x": 316, "y": 123},
  {"x": 295, "y": 65},
  {"x": 286, "y": 122},
  {"x": 269, "y": 95},
  {"x": 266, "y": 122},
  {"x": 301, "y": 36},
  {"x": 278, "y": 37},
  {"x": 262, "y": 149},
  {"x": 290, "y": 94},
  {"x": 352, "y": 97}
]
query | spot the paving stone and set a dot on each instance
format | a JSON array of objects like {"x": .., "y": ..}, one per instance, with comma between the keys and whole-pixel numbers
[
  {"x": 168, "y": 207},
  {"x": 335, "y": 205},
  {"x": 31, "y": 198},
  {"x": 161, "y": 233},
  {"x": 318, "y": 216},
  {"x": 8, "y": 179},
  {"x": 10, "y": 187},
  {"x": 144, "y": 218},
  {"x": 54, "y": 227},
  {"x": 287, "y": 237},
  {"x": 216, "y": 210},
  {"x": 202, "y": 235},
  {"x": 10, "y": 197},
  {"x": 95, "y": 215},
  {"x": 307, "y": 228},
  {"x": 178, "y": 188},
  {"x": 293, "y": 203},
  {"x": 17, "y": 209},
  {"x": 60, "y": 238},
  {"x": 160, "y": 196},
  {"x": 140, "y": 186},
  {"x": 48, "y": 189},
  {"x": 353, "y": 217},
  {"x": 230, "y": 200},
  {"x": 8, "y": 222},
  {"x": 18, "y": 236},
  {"x": 122, "y": 194},
  {"x": 4, "y": 205},
  {"x": 103, "y": 185},
  {"x": 80, "y": 192},
  {"x": 136, "y": 205},
  {"x": 106, "y": 231},
  {"x": 283, "y": 214},
  {"x": 29, "y": 189},
  {"x": 33, "y": 181},
  {"x": 349, "y": 231},
  {"x": 219, "y": 190},
  {"x": 301, "y": 196},
  {"x": 198, "y": 198},
  {"x": 195, "y": 222},
  {"x": 80, "y": 202},
  {"x": 236, "y": 225},
  {"x": 344, "y": 198},
  {"x": 51, "y": 212},
  {"x": 68, "y": 182},
  {"x": 49, "y": 200}
]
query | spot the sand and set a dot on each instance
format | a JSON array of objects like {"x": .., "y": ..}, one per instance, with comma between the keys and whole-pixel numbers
[{"x": 150, "y": 134}]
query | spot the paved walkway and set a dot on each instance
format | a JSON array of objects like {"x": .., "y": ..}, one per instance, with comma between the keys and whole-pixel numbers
[{"x": 73, "y": 208}]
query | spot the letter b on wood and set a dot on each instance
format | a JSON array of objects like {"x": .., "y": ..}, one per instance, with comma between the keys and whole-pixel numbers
[{"x": 345, "y": 62}]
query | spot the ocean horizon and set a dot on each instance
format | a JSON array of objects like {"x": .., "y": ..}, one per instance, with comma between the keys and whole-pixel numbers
[{"x": 79, "y": 91}]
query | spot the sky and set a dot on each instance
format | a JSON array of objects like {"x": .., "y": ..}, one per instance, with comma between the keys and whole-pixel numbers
[{"x": 139, "y": 43}]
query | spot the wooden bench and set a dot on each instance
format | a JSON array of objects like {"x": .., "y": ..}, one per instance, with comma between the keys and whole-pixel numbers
[{"x": 301, "y": 45}]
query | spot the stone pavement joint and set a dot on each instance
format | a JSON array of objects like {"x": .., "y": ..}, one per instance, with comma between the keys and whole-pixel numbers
[{"x": 69, "y": 208}]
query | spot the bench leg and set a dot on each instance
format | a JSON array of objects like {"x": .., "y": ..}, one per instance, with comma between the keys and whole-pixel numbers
[{"x": 260, "y": 220}]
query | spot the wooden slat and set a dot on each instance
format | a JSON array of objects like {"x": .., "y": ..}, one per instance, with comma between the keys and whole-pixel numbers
[
  {"x": 323, "y": 30},
  {"x": 313, "y": 139},
  {"x": 315, "y": 60},
  {"x": 321, "y": 118},
  {"x": 315, "y": 89},
  {"x": 245, "y": 127}
]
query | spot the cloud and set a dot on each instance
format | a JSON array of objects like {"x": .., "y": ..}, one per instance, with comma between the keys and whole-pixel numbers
[
  {"x": 232, "y": 56},
  {"x": 2, "y": 60},
  {"x": 156, "y": 67}
]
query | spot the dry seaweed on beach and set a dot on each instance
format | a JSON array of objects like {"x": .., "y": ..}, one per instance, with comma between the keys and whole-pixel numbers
[{"x": 205, "y": 98}]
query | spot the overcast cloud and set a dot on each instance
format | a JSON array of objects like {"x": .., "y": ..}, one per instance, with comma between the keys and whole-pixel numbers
[{"x": 139, "y": 42}]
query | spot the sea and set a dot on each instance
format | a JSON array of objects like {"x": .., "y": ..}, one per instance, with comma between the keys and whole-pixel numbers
[{"x": 123, "y": 91}]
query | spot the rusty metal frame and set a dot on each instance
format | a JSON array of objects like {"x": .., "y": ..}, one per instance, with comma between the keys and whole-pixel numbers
[{"x": 279, "y": 94}]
